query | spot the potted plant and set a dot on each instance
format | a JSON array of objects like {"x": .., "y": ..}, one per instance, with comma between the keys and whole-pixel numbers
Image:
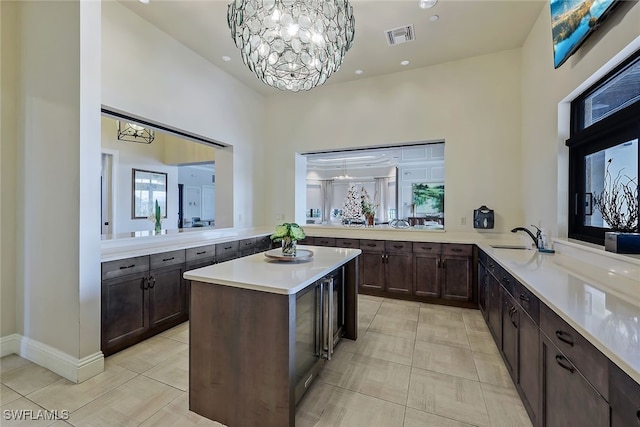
[
  {"x": 156, "y": 218},
  {"x": 618, "y": 204},
  {"x": 288, "y": 233},
  {"x": 368, "y": 207}
]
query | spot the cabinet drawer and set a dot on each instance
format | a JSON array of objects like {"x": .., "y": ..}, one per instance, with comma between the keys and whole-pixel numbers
[
  {"x": 506, "y": 280},
  {"x": 226, "y": 249},
  {"x": 325, "y": 241},
  {"x": 529, "y": 302},
  {"x": 426, "y": 248},
  {"x": 263, "y": 243},
  {"x": 399, "y": 247},
  {"x": 307, "y": 241},
  {"x": 372, "y": 245},
  {"x": 123, "y": 267},
  {"x": 457, "y": 249},
  {"x": 247, "y": 243},
  {"x": 583, "y": 355},
  {"x": 348, "y": 243},
  {"x": 167, "y": 259},
  {"x": 201, "y": 253}
]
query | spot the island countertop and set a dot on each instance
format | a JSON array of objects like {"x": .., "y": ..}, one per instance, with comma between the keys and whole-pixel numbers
[{"x": 257, "y": 272}]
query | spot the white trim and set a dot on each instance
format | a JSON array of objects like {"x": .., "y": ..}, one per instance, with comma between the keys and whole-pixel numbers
[
  {"x": 9, "y": 345},
  {"x": 75, "y": 370}
]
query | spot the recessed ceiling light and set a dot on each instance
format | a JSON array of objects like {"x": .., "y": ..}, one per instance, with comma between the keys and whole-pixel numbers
[
  {"x": 226, "y": 58},
  {"x": 434, "y": 18},
  {"x": 405, "y": 62},
  {"x": 427, "y": 4},
  {"x": 359, "y": 71}
]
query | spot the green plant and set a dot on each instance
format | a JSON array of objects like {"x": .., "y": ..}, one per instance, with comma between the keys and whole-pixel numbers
[
  {"x": 290, "y": 230},
  {"x": 368, "y": 206},
  {"x": 618, "y": 201}
]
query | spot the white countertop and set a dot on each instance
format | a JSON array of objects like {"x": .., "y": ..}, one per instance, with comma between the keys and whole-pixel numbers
[
  {"x": 257, "y": 272},
  {"x": 600, "y": 303}
]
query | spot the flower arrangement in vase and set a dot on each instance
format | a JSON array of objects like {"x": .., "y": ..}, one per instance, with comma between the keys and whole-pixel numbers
[
  {"x": 288, "y": 233},
  {"x": 156, "y": 218}
]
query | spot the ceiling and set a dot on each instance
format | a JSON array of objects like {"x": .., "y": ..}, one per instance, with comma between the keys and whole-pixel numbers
[{"x": 464, "y": 29}]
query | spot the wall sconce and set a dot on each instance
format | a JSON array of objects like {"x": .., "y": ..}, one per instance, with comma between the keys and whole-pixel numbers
[{"x": 135, "y": 133}]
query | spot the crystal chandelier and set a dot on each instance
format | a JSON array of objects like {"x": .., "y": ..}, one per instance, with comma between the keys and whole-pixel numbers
[{"x": 292, "y": 44}]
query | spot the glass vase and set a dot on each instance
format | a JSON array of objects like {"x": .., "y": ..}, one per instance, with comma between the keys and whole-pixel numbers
[
  {"x": 158, "y": 227},
  {"x": 288, "y": 246}
]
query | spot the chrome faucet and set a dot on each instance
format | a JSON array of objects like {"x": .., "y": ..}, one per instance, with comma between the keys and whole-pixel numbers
[{"x": 536, "y": 239}]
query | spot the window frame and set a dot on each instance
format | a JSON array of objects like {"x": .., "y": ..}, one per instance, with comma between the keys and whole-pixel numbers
[{"x": 619, "y": 127}]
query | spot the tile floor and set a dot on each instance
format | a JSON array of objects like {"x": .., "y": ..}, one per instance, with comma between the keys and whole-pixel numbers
[{"x": 413, "y": 365}]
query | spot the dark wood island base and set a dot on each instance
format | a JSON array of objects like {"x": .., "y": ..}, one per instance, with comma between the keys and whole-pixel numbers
[{"x": 242, "y": 361}]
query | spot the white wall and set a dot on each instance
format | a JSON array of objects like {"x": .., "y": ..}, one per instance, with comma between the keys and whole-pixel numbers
[
  {"x": 546, "y": 93},
  {"x": 57, "y": 143},
  {"x": 169, "y": 84},
  {"x": 471, "y": 104},
  {"x": 8, "y": 165}
]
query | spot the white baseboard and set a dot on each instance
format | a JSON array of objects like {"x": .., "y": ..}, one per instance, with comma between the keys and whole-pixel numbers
[
  {"x": 69, "y": 367},
  {"x": 10, "y": 345}
]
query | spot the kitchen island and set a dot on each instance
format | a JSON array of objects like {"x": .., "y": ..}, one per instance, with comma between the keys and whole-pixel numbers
[{"x": 249, "y": 332}]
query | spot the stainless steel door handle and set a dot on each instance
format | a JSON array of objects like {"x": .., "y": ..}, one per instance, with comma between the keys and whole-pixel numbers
[{"x": 330, "y": 319}]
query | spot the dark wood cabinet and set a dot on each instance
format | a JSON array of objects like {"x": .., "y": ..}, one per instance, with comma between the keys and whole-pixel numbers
[
  {"x": 483, "y": 280},
  {"x": 494, "y": 309},
  {"x": 456, "y": 278},
  {"x": 427, "y": 275},
  {"x": 125, "y": 305},
  {"x": 167, "y": 297},
  {"x": 399, "y": 267},
  {"x": 510, "y": 332},
  {"x": 528, "y": 374},
  {"x": 138, "y": 305},
  {"x": 386, "y": 267},
  {"x": 624, "y": 398},
  {"x": 443, "y": 271},
  {"x": 568, "y": 399}
]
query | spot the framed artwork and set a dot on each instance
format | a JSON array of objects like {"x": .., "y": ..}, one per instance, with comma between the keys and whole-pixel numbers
[
  {"x": 428, "y": 198},
  {"x": 147, "y": 187}
]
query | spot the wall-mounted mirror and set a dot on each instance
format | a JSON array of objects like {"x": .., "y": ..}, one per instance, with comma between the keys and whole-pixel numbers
[{"x": 148, "y": 187}]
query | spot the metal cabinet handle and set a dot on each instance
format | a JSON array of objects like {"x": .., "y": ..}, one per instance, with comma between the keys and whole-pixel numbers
[
  {"x": 371, "y": 245},
  {"x": 124, "y": 267},
  {"x": 201, "y": 253},
  {"x": 638, "y": 414},
  {"x": 168, "y": 259},
  {"x": 512, "y": 313},
  {"x": 565, "y": 337},
  {"x": 398, "y": 246},
  {"x": 152, "y": 282},
  {"x": 456, "y": 250},
  {"x": 505, "y": 279},
  {"x": 426, "y": 248},
  {"x": 444, "y": 263},
  {"x": 524, "y": 298},
  {"x": 144, "y": 283},
  {"x": 560, "y": 359}
]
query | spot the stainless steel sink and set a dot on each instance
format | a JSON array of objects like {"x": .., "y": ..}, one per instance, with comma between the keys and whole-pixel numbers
[{"x": 521, "y": 247}]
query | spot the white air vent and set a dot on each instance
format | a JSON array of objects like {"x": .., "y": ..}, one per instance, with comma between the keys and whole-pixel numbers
[{"x": 400, "y": 35}]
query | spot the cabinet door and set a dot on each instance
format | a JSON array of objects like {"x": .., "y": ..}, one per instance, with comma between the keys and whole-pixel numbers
[
  {"x": 124, "y": 311},
  {"x": 483, "y": 278},
  {"x": 510, "y": 314},
  {"x": 167, "y": 297},
  {"x": 427, "y": 275},
  {"x": 399, "y": 273},
  {"x": 494, "y": 310},
  {"x": 567, "y": 398},
  {"x": 456, "y": 278},
  {"x": 372, "y": 271},
  {"x": 624, "y": 397},
  {"x": 528, "y": 365}
]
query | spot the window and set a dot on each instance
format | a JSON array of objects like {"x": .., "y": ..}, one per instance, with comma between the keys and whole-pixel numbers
[{"x": 603, "y": 148}]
